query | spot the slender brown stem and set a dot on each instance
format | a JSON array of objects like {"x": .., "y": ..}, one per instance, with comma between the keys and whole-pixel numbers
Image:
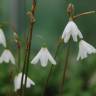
[
  {"x": 22, "y": 89},
  {"x": 30, "y": 39},
  {"x": 64, "y": 72},
  {"x": 27, "y": 59},
  {"x": 28, "y": 46},
  {"x": 18, "y": 43},
  {"x": 51, "y": 68},
  {"x": 19, "y": 56},
  {"x": 83, "y": 14}
]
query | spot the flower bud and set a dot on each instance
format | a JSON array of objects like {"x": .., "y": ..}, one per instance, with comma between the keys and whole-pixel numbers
[
  {"x": 70, "y": 9},
  {"x": 31, "y": 16}
]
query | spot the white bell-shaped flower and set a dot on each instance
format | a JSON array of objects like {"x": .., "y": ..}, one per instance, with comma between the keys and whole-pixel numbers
[
  {"x": 85, "y": 49},
  {"x": 17, "y": 82},
  {"x": 7, "y": 56},
  {"x": 71, "y": 29},
  {"x": 2, "y": 38},
  {"x": 43, "y": 55}
]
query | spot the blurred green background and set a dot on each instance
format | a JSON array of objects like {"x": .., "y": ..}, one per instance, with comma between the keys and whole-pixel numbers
[{"x": 51, "y": 18}]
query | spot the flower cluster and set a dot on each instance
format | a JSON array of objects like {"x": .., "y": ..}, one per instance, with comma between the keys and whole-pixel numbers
[
  {"x": 43, "y": 56},
  {"x": 6, "y": 56},
  {"x": 71, "y": 30},
  {"x": 85, "y": 48}
]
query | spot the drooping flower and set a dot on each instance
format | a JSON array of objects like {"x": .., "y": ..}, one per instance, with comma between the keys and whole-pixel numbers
[
  {"x": 43, "y": 55},
  {"x": 7, "y": 56},
  {"x": 17, "y": 82},
  {"x": 71, "y": 29},
  {"x": 85, "y": 49},
  {"x": 2, "y": 38}
]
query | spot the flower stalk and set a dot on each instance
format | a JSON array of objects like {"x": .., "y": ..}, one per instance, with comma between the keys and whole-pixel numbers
[
  {"x": 28, "y": 45},
  {"x": 32, "y": 21},
  {"x": 65, "y": 69},
  {"x": 51, "y": 68},
  {"x": 19, "y": 56},
  {"x": 70, "y": 11},
  {"x": 18, "y": 43},
  {"x": 83, "y": 14}
]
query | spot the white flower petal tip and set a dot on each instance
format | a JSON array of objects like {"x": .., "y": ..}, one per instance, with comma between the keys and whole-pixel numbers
[
  {"x": 85, "y": 49},
  {"x": 2, "y": 38},
  {"x": 7, "y": 57},
  {"x": 17, "y": 82},
  {"x": 43, "y": 55},
  {"x": 71, "y": 29}
]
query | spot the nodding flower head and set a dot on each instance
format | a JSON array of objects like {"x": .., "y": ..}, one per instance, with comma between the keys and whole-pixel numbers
[
  {"x": 2, "y": 38},
  {"x": 7, "y": 56},
  {"x": 43, "y": 55},
  {"x": 17, "y": 82},
  {"x": 85, "y": 49},
  {"x": 71, "y": 29}
]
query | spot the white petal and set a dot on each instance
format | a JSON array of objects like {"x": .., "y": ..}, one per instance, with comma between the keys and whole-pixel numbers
[
  {"x": 71, "y": 29},
  {"x": 85, "y": 49},
  {"x": 51, "y": 59},
  {"x": 17, "y": 82},
  {"x": 36, "y": 58},
  {"x": 75, "y": 32},
  {"x": 66, "y": 33},
  {"x": 67, "y": 37},
  {"x": 66, "y": 30},
  {"x": 12, "y": 59},
  {"x": 2, "y": 38},
  {"x": 82, "y": 52},
  {"x": 29, "y": 82},
  {"x": 90, "y": 48},
  {"x": 44, "y": 57},
  {"x": 80, "y": 35},
  {"x": 74, "y": 35},
  {"x": 7, "y": 56}
]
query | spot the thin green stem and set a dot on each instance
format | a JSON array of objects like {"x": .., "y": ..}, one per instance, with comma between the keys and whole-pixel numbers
[
  {"x": 50, "y": 71},
  {"x": 64, "y": 72}
]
